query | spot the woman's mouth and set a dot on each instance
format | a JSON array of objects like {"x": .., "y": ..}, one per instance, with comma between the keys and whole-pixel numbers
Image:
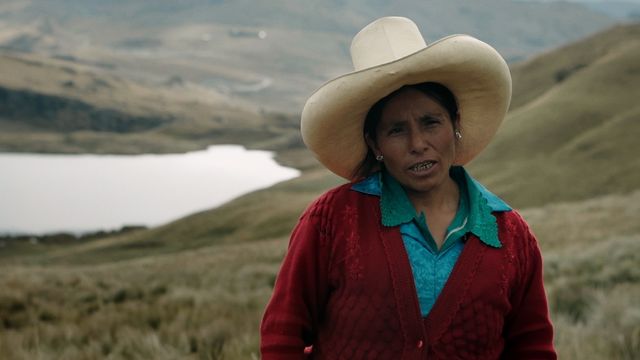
[{"x": 422, "y": 166}]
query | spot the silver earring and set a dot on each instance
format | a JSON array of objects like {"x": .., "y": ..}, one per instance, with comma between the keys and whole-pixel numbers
[
  {"x": 458, "y": 134},
  {"x": 379, "y": 157}
]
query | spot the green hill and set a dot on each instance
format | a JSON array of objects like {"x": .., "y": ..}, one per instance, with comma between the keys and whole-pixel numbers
[
  {"x": 573, "y": 124},
  {"x": 196, "y": 288}
]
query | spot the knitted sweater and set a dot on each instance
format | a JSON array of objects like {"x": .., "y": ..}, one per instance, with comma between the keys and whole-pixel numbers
[{"x": 346, "y": 289}]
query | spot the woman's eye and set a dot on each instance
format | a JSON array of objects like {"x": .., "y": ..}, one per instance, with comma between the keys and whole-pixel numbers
[
  {"x": 429, "y": 122},
  {"x": 394, "y": 130}
]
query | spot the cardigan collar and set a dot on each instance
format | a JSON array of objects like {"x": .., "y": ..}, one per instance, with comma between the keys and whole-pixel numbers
[{"x": 396, "y": 209}]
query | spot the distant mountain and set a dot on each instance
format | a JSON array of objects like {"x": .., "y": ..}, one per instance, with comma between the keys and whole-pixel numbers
[
  {"x": 271, "y": 53},
  {"x": 624, "y": 9},
  {"x": 617, "y": 9}
]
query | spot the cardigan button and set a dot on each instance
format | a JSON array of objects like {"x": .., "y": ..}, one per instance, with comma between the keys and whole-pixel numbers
[{"x": 420, "y": 344}]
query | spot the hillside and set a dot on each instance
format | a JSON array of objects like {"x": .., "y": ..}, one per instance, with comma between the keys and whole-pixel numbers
[
  {"x": 573, "y": 124},
  {"x": 56, "y": 105},
  {"x": 216, "y": 44},
  {"x": 564, "y": 147}
]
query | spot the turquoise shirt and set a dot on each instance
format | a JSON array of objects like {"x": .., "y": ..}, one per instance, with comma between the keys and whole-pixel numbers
[{"x": 432, "y": 266}]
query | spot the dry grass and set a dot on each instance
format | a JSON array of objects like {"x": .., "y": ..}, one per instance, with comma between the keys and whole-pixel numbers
[
  {"x": 591, "y": 255},
  {"x": 203, "y": 304},
  {"x": 194, "y": 289},
  {"x": 206, "y": 303},
  {"x": 593, "y": 297}
]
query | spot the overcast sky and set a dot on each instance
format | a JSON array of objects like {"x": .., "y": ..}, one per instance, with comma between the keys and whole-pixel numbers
[{"x": 591, "y": 1}]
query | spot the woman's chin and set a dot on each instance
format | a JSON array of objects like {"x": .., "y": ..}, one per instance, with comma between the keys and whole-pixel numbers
[{"x": 424, "y": 182}]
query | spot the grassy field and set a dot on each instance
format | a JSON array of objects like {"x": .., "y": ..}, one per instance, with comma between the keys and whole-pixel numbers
[
  {"x": 105, "y": 299},
  {"x": 196, "y": 288}
]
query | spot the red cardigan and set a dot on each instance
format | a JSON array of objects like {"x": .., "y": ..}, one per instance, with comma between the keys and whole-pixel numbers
[{"x": 346, "y": 289}]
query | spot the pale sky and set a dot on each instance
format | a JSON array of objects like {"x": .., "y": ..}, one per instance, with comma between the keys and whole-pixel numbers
[
  {"x": 591, "y": 1},
  {"x": 594, "y": 1}
]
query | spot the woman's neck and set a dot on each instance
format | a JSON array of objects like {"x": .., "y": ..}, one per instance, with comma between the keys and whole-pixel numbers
[{"x": 444, "y": 198}]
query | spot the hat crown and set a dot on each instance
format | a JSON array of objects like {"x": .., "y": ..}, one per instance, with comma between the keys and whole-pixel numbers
[{"x": 385, "y": 40}]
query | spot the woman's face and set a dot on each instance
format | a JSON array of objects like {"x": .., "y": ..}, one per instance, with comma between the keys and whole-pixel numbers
[{"x": 415, "y": 136}]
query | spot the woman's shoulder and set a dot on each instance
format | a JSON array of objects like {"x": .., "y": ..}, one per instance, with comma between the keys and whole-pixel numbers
[
  {"x": 511, "y": 218},
  {"x": 333, "y": 199},
  {"x": 515, "y": 230}
]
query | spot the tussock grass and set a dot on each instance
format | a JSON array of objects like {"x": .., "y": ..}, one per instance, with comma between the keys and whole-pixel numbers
[
  {"x": 206, "y": 303},
  {"x": 593, "y": 298},
  {"x": 591, "y": 254},
  {"x": 203, "y": 304}
]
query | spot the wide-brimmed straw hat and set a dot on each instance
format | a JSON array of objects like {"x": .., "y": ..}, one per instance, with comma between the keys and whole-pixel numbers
[{"x": 388, "y": 54}]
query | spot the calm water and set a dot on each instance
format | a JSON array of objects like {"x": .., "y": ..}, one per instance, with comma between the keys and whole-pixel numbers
[{"x": 78, "y": 193}]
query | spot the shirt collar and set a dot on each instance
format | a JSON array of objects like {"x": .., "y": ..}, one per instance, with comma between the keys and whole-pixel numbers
[{"x": 396, "y": 208}]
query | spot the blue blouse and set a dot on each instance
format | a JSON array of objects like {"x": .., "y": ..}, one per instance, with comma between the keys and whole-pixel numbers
[{"x": 432, "y": 266}]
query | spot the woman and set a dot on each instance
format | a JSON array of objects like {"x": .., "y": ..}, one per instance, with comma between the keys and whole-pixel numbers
[{"x": 413, "y": 259}]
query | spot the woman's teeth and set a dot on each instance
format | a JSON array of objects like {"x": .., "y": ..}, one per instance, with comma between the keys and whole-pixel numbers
[{"x": 422, "y": 166}]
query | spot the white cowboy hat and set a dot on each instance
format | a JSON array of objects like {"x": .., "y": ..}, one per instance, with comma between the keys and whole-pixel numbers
[{"x": 388, "y": 54}]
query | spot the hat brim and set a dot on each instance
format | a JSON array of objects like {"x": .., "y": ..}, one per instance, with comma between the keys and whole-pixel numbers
[{"x": 333, "y": 117}]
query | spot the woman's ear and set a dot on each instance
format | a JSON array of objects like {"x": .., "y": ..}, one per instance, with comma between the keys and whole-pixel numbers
[
  {"x": 372, "y": 145},
  {"x": 456, "y": 121},
  {"x": 457, "y": 133}
]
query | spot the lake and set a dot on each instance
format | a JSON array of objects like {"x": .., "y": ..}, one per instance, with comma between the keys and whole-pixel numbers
[{"x": 45, "y": 193}]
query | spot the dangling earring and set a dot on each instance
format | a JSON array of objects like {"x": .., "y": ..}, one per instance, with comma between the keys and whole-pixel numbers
[
  {"x": 379, "y": 157},
  {"x": 458, "y": 134}
]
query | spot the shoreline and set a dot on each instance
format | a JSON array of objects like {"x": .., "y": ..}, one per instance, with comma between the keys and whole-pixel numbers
[
  {"x": 64, "y": 237},
  {"x": 69, "y": 236}
]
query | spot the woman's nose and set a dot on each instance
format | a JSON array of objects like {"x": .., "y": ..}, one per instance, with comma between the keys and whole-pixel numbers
[{"x": 417, "y": 142}]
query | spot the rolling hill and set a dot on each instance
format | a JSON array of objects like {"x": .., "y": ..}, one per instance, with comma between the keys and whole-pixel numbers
[
  {"x": 57, "y": 105},
  {"x": 584, "y": 145},
  {"x": 573, "y": 123}
]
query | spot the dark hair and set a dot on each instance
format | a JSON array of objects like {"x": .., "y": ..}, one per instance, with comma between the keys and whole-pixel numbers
[{"x": 438, "y": 92}]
